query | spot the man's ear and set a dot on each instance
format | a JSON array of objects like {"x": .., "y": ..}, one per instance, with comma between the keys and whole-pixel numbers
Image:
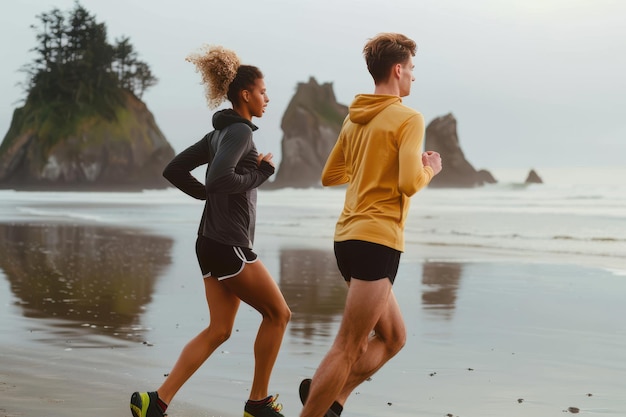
[{"x": 397, "y": 70}]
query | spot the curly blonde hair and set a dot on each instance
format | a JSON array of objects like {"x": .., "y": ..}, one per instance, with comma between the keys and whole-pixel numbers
[{"x": 218, "y": 67}]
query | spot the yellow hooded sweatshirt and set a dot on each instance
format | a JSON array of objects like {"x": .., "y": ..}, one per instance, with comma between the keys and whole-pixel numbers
[{"x": 379, "y": 155}]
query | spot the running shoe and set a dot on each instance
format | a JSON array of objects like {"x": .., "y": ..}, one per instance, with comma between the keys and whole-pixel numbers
[
  {"x": 305, "y": 385},
  {"x": 144, "y": 404},
  {"x": 271, "y": 409}
]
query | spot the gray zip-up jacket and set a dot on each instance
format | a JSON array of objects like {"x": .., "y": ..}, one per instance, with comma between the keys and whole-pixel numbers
[{"x": 232, "y": 178}]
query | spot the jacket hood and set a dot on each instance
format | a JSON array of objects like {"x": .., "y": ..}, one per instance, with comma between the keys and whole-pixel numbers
[
  {"x": 227, "y": 117},
  {"x": 365, "y": 106}
]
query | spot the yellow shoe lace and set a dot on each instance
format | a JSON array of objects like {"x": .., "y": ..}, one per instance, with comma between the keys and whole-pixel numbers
[{"x": 274, "y": 405}]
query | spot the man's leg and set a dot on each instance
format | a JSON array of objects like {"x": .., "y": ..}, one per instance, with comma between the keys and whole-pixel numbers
[
  {"x": 388, "y": 339},
  {"x": 365, "y": 305}
]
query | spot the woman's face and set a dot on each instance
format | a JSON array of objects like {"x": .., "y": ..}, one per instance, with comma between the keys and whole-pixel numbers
[{"x": 257, "y": 98}]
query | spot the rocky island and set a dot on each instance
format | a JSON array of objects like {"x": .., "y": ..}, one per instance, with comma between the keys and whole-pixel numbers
[
  {"x": 442, "y": 137},
  {"x": 310, "y": 128},
  {"x": 83, "y": 125},
  {"x": 311, "y": 125},
  {"x": 126, "y": 152}
]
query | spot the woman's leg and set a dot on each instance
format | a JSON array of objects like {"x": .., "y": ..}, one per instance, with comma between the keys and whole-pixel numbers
[
  {"x": 255, "y": 286},
  {"x": 223, "y": 305}
]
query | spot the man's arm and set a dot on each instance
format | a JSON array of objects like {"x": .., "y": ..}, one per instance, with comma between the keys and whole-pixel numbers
[
  {"x": 334, "y": 172},
  {"x": 412, "y": 174}
]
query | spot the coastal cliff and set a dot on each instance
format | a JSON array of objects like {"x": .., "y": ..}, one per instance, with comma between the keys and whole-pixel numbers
[
  {"x": 310, "y": 128},
  {"x": 311, "y": 125},
  {"x": 125, "y": 150},
  {"x": 442, "y": 137}
]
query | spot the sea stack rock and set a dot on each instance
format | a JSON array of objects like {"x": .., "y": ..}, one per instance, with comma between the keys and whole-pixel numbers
[
  {"x": 125, "y": 152},
  {"x": 441, "y": 136},
  {"x": 310, "y": 127},
  {"x": 533, "y": 178}
]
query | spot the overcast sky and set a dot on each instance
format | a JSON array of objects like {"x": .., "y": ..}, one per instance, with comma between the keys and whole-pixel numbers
[{"x": 532, "y": 83}]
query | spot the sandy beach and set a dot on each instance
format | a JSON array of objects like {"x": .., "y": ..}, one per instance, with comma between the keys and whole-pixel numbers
[{"x": 92, "y": 312}]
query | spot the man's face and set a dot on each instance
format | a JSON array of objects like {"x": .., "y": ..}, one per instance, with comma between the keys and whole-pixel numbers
[{"x": 406, "y": 77}]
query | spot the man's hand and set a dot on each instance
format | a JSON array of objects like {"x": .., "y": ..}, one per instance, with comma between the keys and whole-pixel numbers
[{"x": 433, "y": 160}]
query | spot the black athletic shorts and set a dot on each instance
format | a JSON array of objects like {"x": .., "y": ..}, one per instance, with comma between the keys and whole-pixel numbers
[
  {"x": 366, "y": 261},
  {"x": 221, "y": 261}
]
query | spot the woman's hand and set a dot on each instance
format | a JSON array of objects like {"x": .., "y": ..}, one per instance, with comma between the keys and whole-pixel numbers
[{"x": 267, "y": 158}]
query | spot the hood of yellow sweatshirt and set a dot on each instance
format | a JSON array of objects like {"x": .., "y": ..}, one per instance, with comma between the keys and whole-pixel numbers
[{"x": 365, "y": 106}]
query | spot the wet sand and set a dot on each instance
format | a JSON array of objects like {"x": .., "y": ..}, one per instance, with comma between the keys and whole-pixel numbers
[{"x": 91, "y": 313}]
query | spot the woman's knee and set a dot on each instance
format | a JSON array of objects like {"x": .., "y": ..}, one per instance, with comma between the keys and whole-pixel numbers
[
  {"x": 280, "y": 315},
  {"x": 286, "y": 314},
  {"x": 219, "y": 334}
]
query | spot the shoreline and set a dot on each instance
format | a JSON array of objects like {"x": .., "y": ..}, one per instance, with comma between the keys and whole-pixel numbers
[
  {"x": 116, "y": 297},
  {"x": 93, "y": 373}
]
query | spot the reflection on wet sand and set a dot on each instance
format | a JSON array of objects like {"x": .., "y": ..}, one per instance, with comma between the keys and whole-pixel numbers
[
  {"x": 314, "y": 290},
  {"x": 441, "y": 281},
  {"x": 84, "y": 279}
]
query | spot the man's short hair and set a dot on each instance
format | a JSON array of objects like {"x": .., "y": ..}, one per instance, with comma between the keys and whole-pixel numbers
[{"x": 384, "y": 51}]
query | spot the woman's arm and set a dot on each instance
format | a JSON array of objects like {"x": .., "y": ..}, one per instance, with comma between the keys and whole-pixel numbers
[
  {"x": 178, "y": 171},
  {"x": 222, "y": 176}
]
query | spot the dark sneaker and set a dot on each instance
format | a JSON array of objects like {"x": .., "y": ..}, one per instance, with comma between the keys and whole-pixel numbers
[
  {"x": 271, "y": 409},
  {"x": 144, "y": 404},
  {"x": 305, "y": 385}
]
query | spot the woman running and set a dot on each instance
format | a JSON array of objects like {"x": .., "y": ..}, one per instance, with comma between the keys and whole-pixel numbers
[{"x": 231, "y": 271}]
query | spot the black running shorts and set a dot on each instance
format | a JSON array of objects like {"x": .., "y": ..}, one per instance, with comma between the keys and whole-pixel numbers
[
  {"x": 221, "y": 261},
  {"x": 366, "y": 261}
]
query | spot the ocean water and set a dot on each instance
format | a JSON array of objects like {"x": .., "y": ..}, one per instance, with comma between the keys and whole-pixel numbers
[
  {"x": 576, "y": 214},
  {"x": 509, "y": 292}
]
